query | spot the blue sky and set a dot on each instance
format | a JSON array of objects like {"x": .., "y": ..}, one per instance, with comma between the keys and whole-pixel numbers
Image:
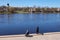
[{"x": 42, "y": 3}]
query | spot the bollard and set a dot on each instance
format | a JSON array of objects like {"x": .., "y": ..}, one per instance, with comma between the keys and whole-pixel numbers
[
  {"x": 27, "y": 33},
  {"x": 37, "y": 30}
]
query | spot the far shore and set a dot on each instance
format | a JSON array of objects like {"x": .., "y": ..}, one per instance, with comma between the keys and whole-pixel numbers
[{"x": 30, "y": 12}]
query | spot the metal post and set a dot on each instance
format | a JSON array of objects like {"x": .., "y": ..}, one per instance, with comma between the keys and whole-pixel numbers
[
  {"x": 27, "y": 33},
  {"x": 37, "y": 30}
]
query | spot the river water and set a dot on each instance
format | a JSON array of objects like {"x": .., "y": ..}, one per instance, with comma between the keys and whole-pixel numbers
[{"x": 19, "y": 23}]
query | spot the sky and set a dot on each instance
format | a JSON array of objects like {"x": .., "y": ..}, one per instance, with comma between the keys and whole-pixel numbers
[{"x": 30, "y": 3}]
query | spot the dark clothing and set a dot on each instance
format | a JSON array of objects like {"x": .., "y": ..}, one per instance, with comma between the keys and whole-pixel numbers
[{"x": 37, "y": 30}]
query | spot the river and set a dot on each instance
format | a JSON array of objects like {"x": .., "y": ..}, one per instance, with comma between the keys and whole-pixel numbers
[{"x": 19, "y": 23}]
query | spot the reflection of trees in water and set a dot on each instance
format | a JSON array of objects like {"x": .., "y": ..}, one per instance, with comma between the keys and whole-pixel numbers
[
  {"x": 9, "y": 17},
  {"x": 58, "y": 16},
  {"x": 5, "y": 18}
]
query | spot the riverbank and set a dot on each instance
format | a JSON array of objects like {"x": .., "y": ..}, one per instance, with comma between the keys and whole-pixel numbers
[
  {"x": 46, "y": 36},
  {"x": 22, "y": 12}
]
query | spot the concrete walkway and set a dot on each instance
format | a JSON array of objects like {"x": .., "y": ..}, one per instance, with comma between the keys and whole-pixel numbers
[{"x": 46, "y": 36}]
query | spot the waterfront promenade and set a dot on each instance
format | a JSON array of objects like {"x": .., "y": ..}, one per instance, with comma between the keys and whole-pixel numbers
[{"x": 46, "y": 36}]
